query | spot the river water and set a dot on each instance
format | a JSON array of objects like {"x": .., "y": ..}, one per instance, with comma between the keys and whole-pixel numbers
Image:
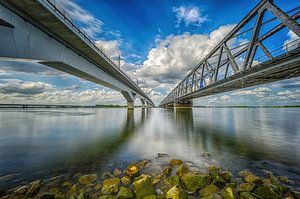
[{"x": 42, "y": 143}]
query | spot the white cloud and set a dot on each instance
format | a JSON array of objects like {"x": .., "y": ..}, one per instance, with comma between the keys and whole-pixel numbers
[
  {"x": 111, "y": 47},
  {"x": 88, "y": 23},
  {"x": 189, "y": 15},
  {"x": 259, "y": 92},
  {"x": 293, "y": 41},
  {"x": 16, "y": 87}
]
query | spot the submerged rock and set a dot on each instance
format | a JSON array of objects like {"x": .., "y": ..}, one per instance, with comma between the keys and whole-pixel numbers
[
  {"x": 110, "y": 185},
  {"x": 176, "y": 192},
  {"x": 228, "y": 193},
  {"x": 34, "y": 188},
  {"x": 245, "y": 173},
  {"x": 175, "y": 162},
  {"x": 124, "y": 193},
  {"x": 46, "y": 196},
  {"x": 265, "y": 191},
  {"x": 253, "y": 179},
  {"x": 125, "y": 180},
  {"x": 73, "y": 190},
  {"x": 182, "y": 169},
  {"x": 132, "y": 169},
  {"x": 142, "y": 187},
  {"x": 246, "y": 195},
  {"x": 195, "y": 181},
  {"x": 226, "y": 175},
  {"x": 167, "y": 183},
  {"x": 117, "y": 172},
  {"x": 247, "y": 187},
  {"x": 87, "y": 179},
  {"x": 208, "y": 190}
]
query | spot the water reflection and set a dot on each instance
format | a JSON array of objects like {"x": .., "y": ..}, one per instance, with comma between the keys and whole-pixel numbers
[{"x": 43, "y": 143}]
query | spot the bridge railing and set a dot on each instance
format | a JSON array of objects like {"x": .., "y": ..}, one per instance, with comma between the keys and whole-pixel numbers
[
  {"x": 55, "y": 6},
  {"x": 246, "y": 46}
]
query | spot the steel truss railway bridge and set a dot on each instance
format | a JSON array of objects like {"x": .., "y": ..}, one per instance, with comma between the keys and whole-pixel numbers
[
  {"x": 249, "y": 55},
  {"x": 42, "y": 32}
]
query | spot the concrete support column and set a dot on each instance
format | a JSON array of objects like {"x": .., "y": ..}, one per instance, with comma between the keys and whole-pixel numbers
[
  {"x": 143, "y": 103},
  {"x": 184, "y": 104},
  {"x": 169, "y": 105},
  {"x": 130, "y": 105}
]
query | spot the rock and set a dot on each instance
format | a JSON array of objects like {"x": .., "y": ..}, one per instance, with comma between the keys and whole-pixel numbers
[
  {"x": 66, "y": 184},
  {"x": 245, "y": 173},
  {"x": 60, "y": 196},
  {"x": 208, "y": 190},
  {"x": 142, "y": 187},
  {"x": 107, "y": 197},
  {"x": 195, "y": 181},
  {"x": 214, "y": 171},
  {"x": 157, "y": 179},
  {"x": 176, "y": 192},
  {"x": 97, "y": 186},
  {"x": 160, "y": 155},
  {"x": 124, "y": 193},
  {"x": 246, "y": 195},
  {"x": 111, "y": 185},
  {"x": 125, "y": 180},
  {"x": 175, "y": 162},
  {"x": 46, "y": 196},
  {"x": 253, "y": 179},
  {"x": 265, "y": 191},
  {"x": 182, "y": 169},
  {"x": 226, "y": 175},
  {"x": 143, "y": 163},
  {"x": 73, "y": 190},
  {"x": 54, "y": 190},
  {"x": 167, "y": 171},
  {"x": 34, "y": 188},
  {"x": 205, "y": 154},
  {"x": 232, "y": 185},
  {"x": 247, "y": 187},
  {"x": 283, "y": 179},
  {"x": 117, "y": 172},
  {"x": 227, "y": 193},
  {"x": 167, "y": 183},
  {"x": 150, "y": 197},
  {"x": 132, "y": 170},
  {"x": 83, "y": 195},
  {"x": 87, "y": 179},
  {"x": 21, "y": 190},
  {"x": 296, "y": 194}
]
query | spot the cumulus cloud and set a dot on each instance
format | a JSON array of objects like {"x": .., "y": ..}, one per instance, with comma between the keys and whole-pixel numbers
[
  {"x": 88, "y": 23},
  {"x": 189, "y": 15},
  {"x": 111, "y": 47},
  {"x": 259, "y": 92},
  {"x": 292, "y": 42},
  {"x": 25, "y": 88}
]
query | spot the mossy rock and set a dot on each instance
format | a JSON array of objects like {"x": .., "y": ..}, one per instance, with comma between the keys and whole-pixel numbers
[
  {"x": 87, "y": 179},
  {"x": 195, "y": 181},
  {"x": 67, "y": 184},
  {"x": 208, "y": 190},
  {"x": 110, "y": 185},
  {"x": 132, "y": 169},
  {"x": 176, "y": 192},
  {"x": 283, "y": 179},
  {"x": 45, "y": 196},
  {"x": 97, "y": 186},
  {"x": 142, "y": 187},
  {"x": 143, "y": 163},
  {"x": 214, "y": 171},
  {"x": 73, "y": 190},
  {"x": 125, "y": 180},
  {"x": 228, "y": 193},
  {"x": 124, "y": 193},
  {"x": 265, "y": 191},
  {"x": 117, "y": 172},
  {"x": 168, "y": 183},
  {"x": 226, "y": 176},
  {"x": 245, "y": 173},
  {"x": 296, "y": 194},
  {"x": 246, "y": 187},
  {"x": 167, "y": 171},
  {"x": 108, "y": 197},
  {"x": 150, "y": 197},
  {"x": 34, "y": 188},
  {"x": 182, "y": 169},
  {"x": 253, "y": 179},
  {"x": 175, "y": 162},
  {"x": 246, "y": 195}
]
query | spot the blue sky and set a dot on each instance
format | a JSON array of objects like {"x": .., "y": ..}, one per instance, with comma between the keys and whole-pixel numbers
[{"x": 159, "y": 41}]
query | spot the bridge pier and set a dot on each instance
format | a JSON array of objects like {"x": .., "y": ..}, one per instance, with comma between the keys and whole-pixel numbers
[
  {"x": 130, "y": 105},
  {"x": 143, "y": 103},
  {"x": 169, "y": 106},
  {"x": 184, "y": 104}
]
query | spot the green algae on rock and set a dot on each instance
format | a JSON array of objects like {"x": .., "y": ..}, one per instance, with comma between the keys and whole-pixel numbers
[
  {"x": 132, "y": 169},
  {"x": 208, "y": 190},
  {"x": 175, "y": 162},
  {"x": 87, "y": 179},
  {"x": 142, "y": 187},
  {"x": 111, "y": 185},
  {"x": 124, "y": 193},
  {"x": 195, "y": 181},
  {"x": 176, "y": 192}
]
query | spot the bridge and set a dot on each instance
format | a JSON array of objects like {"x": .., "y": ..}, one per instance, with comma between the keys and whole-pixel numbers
[
  {"x": 41, "y": 31},
  {"x": 248, "y": 56}
]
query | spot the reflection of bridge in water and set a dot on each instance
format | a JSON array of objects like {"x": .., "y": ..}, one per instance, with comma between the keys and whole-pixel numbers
[{"x": 233, "y": 64}]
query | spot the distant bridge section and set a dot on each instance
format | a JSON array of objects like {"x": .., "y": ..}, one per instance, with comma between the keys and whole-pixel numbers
[
  {"x": 40, "y": 30},
  {"x": 256, "y": 51}
]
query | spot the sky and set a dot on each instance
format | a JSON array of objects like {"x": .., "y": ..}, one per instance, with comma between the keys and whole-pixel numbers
[{"x": 159, "y": 42}]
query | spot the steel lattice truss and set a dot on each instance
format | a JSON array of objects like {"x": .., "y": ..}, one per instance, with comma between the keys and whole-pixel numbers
[{"x": 232, "y": 57}]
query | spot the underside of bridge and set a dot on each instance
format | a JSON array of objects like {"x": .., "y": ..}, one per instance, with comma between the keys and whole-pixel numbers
[
  {"x": 39, "y": 31},
  {"x": 257, "y": 60}
]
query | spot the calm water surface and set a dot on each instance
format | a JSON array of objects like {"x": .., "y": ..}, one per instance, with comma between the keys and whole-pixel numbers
[{"x": 42, "y": 143}]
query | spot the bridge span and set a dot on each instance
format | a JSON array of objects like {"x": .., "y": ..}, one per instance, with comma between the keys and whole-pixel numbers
[
  {"x": 39, "y": 30},
  {"x": 249, "y": 55}
]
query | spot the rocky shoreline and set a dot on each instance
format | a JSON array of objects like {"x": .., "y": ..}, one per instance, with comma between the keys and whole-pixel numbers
[{"x": 175, "y": 180}]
